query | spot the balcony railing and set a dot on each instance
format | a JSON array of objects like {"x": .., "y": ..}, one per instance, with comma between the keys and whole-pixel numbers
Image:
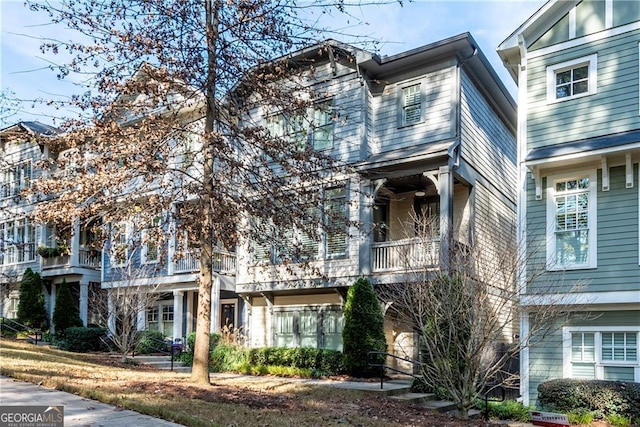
[
  {"x": 404, "y": 255},
  {"x": 223, "y": 262},
  {"x": 86, "y": 258}
]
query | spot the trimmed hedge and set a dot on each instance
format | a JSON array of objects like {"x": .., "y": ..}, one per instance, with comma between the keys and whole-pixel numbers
[
  {"x": 82, "y": 340},
  {"x": 601, "y": 398},
  {"x": 321, "y": 361}
]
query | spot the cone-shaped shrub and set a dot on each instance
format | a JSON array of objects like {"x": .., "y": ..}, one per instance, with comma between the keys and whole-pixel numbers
[
  {"x": 65, "y": 313},
  {"x": 363, "y": 329},
  {"x": 31, "y": 309}
]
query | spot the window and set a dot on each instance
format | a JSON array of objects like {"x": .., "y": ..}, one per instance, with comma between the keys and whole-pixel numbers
[
  {"x": 14, "y": 179},
  {"x": 119, "y": 246},
  {"x": 335, "y": 216},
  {"x": 571, "y": 221},
  {"x": 308, "y": 327},
  {"x": 167, "y": 313},
  {"x": 572, "y": 79},
  {"x": 606, "y": 353},
  {"x": 17, "y": 242},
  {"x": 152, "y": 315},
  {"x": 411, "y": 105},
  {"x": 323, "y": 125},
  {"x": 150, "y": 248},
  {"x": 290, "y": 126}
]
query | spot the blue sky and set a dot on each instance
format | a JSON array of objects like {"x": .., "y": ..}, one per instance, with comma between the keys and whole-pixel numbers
[{"x": 24, "y": 68}]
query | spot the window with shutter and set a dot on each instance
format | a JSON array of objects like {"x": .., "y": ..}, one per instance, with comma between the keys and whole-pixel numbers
[
  {"x": 335, "y": 212},
  {"x": 411, "y": 105}
]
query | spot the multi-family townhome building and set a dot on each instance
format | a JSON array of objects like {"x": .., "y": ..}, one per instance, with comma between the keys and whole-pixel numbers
[
  {"x": 430, "y": 131},
  {"x": 57, "y": 256},
  {"x": 578, "y": 70}
]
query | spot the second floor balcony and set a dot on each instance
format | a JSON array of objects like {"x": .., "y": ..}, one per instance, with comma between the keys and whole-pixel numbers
[
  {"x": 85, "y": 258},
  {"x": 405, "y": 255},
  {"x": 223, "y": 262}
]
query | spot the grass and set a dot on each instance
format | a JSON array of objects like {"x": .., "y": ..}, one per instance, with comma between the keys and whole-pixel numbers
[{"x": 232, "y": 400}]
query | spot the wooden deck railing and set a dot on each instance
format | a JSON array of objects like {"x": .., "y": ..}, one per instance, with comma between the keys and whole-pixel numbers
[{"x": 406, "y": 254}]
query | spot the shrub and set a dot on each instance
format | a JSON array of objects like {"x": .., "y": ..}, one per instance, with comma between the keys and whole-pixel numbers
[
  {"x": 580, "y": 416},
  {"x": 363, "y": 329},
  {"x": 507, "y": 410},
  {"x": 65, "y": 313},
  {"x": 186, "y": 356},
  {"x": 619, "y": 420},
  {"x": 151, "y": 342},
  {"x": 31, "y": 309},
  {"x": 419, "y": 385},
  {"x": 318, "y": 362},
  {"x": 82, "y": 340},
  {"x": 600, "y": 398},
  {"x": 229, "y": 358}
]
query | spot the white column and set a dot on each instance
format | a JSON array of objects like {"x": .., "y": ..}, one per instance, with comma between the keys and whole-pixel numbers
[
  {"x": 111, "y": 321},
  {"x": 215, "y": 304},
  {"x": 524, "y": 357},
  {"x": 141, "y": 318},
  {"x": 52, "y": 307},
  {"x": 191, "y": 311},
  {"x": 84, "y": 302},
  {"x": 177, "y": 314},
  {"x": 445, "y": 183},
  {"x": 75, "y": 244}
]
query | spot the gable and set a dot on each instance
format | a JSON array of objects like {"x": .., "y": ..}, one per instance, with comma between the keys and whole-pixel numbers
[{"x": 586, "y": 18}]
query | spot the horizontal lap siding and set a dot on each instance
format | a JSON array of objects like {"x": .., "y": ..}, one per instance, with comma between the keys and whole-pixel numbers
[
  {"x": 545, "y": 357},
  {"x": 487, "y": 144},
  {"x": 614, "y": 108},
  {"x": 438, "y": 119},
  {"x": 617, "y": 240}
]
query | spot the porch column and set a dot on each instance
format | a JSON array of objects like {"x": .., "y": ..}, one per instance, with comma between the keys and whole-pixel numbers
[
  {"x": 191, "y": 311},
  {"x": 52, "y": 307},
  {"x": 215, "y": 304},
  {"x": 445, "y": 184},
  {"x": 177, "y": 314},
  {"x": 141, "y": 318},
  {"x": 84, "y": 302},
  {"x": 111, "y": 307},
  {"x": 74, "y": 257},
  {"x": 367, "y": 198}
]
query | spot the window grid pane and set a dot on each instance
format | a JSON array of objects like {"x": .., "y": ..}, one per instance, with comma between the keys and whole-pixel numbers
[
  {"x": 573, "y": 81},
  {"x": 572, "y": 221},
  {"x": 411, "y": 104}
]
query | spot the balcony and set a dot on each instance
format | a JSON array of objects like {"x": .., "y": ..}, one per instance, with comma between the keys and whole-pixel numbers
[
  {"x": 405, "y": 255},
  {"x": 223, "y": 262},
  {"x": 87, "y": 258}
]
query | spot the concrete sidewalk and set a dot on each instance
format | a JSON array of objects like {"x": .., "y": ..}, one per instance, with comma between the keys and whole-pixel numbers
[{"x": 78, "y": 411}]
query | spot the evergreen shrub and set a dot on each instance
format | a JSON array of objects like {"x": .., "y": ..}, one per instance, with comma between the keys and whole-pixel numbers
[
  {"x": 363, "y": 330},
  {"x": 65, "y": 313},
  {"x": 31, "y": 308},
  {"x": 82, "y": 340}
]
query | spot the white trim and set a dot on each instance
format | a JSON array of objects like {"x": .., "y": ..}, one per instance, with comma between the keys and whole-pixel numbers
[
  {"x": 572, "y": 23},
  {"x": 591, "y": 61},
  {"x": 583, "y": 155},
  {"x": 599, "y": 364},
  {"x": 592, "y": 260},
  {"x": 608, "y": 14},
  {"x": 639, "y": 79},
  {"x": 524, "y": 357},
  {"x": 601, "y": 35},
  {"x": 583, "y": 298}
]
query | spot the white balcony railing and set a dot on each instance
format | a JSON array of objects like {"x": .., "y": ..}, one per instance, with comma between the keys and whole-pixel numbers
[
  {"x": 89, "y": 258},
  {"x": 403, "y": 255},
  {"x": 56, "y": 261},
  {"x": 223, "y": 262}
]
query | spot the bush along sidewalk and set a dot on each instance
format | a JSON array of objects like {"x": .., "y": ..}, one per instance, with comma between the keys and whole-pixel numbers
[{"x": 617, "y": 402}]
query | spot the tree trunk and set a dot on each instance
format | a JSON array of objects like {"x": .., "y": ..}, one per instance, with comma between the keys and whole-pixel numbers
[{"x": 200, "y": 369}]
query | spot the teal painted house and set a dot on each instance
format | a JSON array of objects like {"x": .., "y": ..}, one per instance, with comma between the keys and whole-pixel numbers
[{"x": 577, "y": 67}]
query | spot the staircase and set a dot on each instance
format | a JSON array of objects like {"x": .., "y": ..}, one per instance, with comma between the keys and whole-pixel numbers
[{"x": 162, "y": 362}]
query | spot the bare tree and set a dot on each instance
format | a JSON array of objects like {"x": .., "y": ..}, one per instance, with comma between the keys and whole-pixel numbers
[
  {"x": 175, "y": 84},
  {"x": 122, "y": 307},
  {"x": 465, "y": 313}
]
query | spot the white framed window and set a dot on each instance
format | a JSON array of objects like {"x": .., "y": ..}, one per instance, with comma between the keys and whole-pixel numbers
[
  {"x": 150, "y": 247},
  {"x": 119, "y": 244},
  {"x": 603, "y": 353},
  {"x": 17, "y": 241},
  {"x": 323, "y": 118},
  {"x": 572, "y": 79},
  {"x": 335, "y": 217},
  {"x": 291, "y": 127},
  {"x": 15, "y": 178},
  {"x": 571, "y": 221},
  {"x": 410, "y": 104}
]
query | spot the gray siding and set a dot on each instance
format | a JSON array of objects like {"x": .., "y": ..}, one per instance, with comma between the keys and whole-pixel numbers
[
  {"x": 437, "y": 125},
  {"x": 487, "y": 144},
  {"x": 614, "y": 108},
  {"x": 617, "y": 239}
]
